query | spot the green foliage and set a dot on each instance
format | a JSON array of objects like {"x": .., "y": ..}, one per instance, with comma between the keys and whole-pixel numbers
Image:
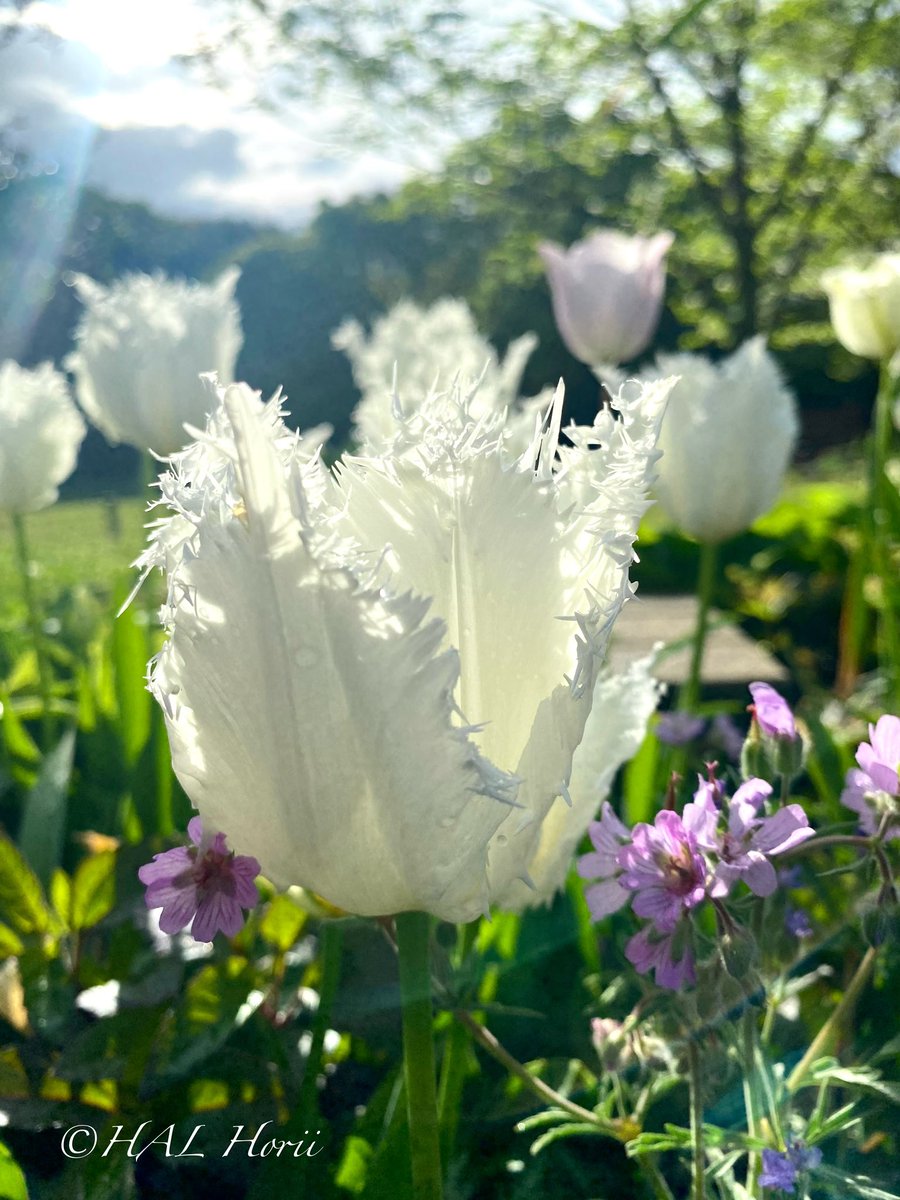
[
  {"x": 44, "y": 819},
  {"x": 12, "y": 1181}
]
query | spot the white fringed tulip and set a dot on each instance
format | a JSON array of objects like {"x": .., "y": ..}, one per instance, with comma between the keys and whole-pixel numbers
[
  {"x": 865, "y": 307},
  {"x": 367, "y": 683},
  {"x": 607, "y": 293},
  {"x": 726, "y": 440},
  {"x": 40, "y": 433},
  {"x": 141, "y": 347},
  {"x": 429, "y": 348},
  {"x": 622, "y": 705}
]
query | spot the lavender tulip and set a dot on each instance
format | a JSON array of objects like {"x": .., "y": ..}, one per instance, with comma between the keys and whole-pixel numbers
[{"x": 607, "y": 293}]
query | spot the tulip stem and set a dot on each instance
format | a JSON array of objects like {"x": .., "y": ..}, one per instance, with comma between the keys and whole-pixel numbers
[
  {"x": 706, "y": 578},
  {"x": 331, "y": 945},
  {"x": 413, "y": 934},
  {"x": 879, "y": 499},
  {"x": 35, "y": 623}
]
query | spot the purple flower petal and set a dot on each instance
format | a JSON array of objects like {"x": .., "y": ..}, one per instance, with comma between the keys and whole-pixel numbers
[
  {"x": 772, "y": 711},
  {"x": 759, "y": 874},
  {"x": 207, "y": 885},
  {"x": 885, "y": 739},
  {"x": 701, "y": 819},
  {"x": 778, "y": 1171},
  {"x": 660, "y": 906},
  {"x": 177, "y": 912},
  {"x": 166, "y": 866},
  {"x": 784, "y": 829},
  {"x": 605, "y": 898}
]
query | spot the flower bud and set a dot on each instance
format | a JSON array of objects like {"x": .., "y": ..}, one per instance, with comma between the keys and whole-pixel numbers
[
  {"x": 739, "y": 953},
  {"x": 865, "y": 306},
  {"x": 753, "y": 755},
  {"x": 141, "y": 348},
  {"x": 726, "y": 439},
  {"x": 607, "y": 293},
  {"x": 782, "y": 742},
  {"x": 40, "y": 432},
  {"x": 612, "y": 1044}
]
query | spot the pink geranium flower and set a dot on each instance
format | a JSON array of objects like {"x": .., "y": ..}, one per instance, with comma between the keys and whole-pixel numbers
[
  {"x": 606, "y": 895},
  {"x": 751, "y": 840},
  {"x": 873, "y": 789},
  {"x": 206, "y": 884},
  {"x": 651, "y": 950},
  {"x": 664, "y": 869}
]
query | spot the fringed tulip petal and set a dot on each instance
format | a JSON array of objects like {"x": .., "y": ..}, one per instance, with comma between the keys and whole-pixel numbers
[
  {"x": 622, "y": 706},
  {"x": 411, "y": 352},
  {"x": 141, "y": 347},
  {"x": 311, "y": 715}
]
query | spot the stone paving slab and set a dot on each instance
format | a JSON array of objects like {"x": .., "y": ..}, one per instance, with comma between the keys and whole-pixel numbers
[{"x": 730, "y": 657}]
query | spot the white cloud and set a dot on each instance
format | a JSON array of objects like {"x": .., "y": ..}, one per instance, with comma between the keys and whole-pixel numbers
[{"x": 88, "y": 85}]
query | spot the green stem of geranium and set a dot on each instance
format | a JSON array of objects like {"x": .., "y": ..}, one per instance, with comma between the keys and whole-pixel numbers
[
  {"x": 824, "y": 1039},
  {"x": 698, "y": 1157},
  {"x": 35, "y": 623},
  {"x": 706, "y": 578},
  {"x": 453, "y": 1066},
  {"x": 413, "y": 933},
  {"x": 331, "y": 945},
  {"x": 655, "y": 1178},
  {"x": 751, "y": 1097}
]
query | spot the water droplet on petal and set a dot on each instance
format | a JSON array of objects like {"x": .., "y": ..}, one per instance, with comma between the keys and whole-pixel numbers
[{"x": 305, "y": 657}]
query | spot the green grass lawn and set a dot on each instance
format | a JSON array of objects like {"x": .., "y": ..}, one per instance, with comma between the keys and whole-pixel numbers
[
  {"x": 87, "y": 542},
  {"x": 92, "y": 543}
]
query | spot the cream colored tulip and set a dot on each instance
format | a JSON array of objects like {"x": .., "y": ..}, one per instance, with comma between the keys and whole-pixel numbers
[
  {"x": 865, "y": 306},
  {"x": 416, "y": 351},
  {"x": 623, "y": 703}
]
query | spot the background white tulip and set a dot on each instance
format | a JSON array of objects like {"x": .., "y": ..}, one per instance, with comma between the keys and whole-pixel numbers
[
  {"x": 430, "y": 349},
  {"x": 622, "y": 706},
  {"x": 726, "y": 440},
  {"x": 141, "y": 347},
  {"x": 865, "y": 306},
  {"x": 40, "y": 433},
  {"x": 607, "y": 293},
  {"x": 362, "y": 668}
]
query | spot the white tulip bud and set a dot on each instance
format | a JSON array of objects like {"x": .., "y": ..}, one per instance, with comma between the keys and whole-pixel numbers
[
  {"x": 726, "y": 439},
  {"x": 865, "y": 307},
  {"x": 141, "y": 347},
  {"x": 40, "y": 433}
]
